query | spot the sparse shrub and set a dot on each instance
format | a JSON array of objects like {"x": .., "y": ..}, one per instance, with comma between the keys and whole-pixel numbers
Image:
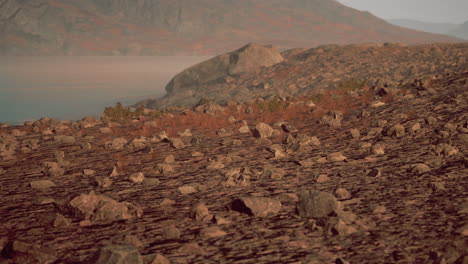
[
  {"x": 351, "y": 85},
  {"x": 117, "y": 113},
  {"x": 272, "y": 105}
]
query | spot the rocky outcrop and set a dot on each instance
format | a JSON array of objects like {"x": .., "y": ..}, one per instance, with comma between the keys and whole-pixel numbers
[
  {"x": 306, "y": 72},
  {"x": 246, "y": 59}
]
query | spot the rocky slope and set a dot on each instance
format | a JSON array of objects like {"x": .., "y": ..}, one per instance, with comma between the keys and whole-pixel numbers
[
  {"x": 306, "y": 72},
  {"x": 384, "y": 183},
  {"x": 163, "y": 27}
]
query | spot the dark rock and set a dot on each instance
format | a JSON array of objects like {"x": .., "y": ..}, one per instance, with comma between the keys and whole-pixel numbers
[
  {"x": 257, "y": 206},
  {"x": 315, "y": 204}
]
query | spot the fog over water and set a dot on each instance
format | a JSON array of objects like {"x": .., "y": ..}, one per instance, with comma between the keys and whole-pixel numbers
[{"x": 74, "y": 87}]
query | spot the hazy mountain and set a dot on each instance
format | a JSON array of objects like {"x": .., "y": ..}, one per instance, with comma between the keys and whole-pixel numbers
[
  {"x": 438, "y": 28},
  {"x": 461, "y": 31},
  {"x": 166, "y": 27}
]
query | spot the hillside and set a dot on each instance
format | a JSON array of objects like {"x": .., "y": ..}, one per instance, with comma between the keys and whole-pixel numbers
[
  {"x": 305, "y": 72},
  {"x": 168, "y": 27},
  {"x": 378, "y": 182}
]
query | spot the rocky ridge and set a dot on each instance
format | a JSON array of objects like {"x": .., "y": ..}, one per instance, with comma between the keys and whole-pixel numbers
[
  {"x": 383, "y": 183},
  {"x": 308, "y": 72}
]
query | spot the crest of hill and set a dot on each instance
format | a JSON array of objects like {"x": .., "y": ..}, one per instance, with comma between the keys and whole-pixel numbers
[
  {"x": 176, "y": 27},
  {"x": 257, "y": 71},
  {"x": 246, "y": 59}
]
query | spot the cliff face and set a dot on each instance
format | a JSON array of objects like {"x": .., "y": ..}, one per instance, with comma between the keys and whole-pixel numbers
[{"x": 165, "y": 27}]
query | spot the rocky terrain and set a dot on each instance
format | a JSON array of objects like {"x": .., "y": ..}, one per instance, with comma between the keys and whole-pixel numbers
[
  {"x": 262, "y": 71},
  {"x": 170, "y": 27},
  {"x": 381, "y": 180}
]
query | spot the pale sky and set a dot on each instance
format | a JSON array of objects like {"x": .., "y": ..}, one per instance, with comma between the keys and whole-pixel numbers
[{"x": 451, "y": 11}]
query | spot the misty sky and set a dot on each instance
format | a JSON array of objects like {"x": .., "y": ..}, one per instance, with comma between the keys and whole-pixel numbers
[{"x": 452, "y": 11}]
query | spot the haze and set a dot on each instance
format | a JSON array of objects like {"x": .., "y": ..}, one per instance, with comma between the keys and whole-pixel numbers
[
  {"x": 72, "y": 87},
  {"x": 446, "y": 11}
]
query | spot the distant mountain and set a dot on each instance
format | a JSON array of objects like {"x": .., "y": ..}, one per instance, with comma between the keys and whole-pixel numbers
[
  {"x": 168, "y": 27},
  {"x": 450, "y": 29},
  {"x": 461, "y": 31},
  {"x": 438, "y": 28}
]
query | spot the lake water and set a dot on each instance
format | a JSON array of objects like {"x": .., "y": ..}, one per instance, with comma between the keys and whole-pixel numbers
[{"x": 74, "y": 87}]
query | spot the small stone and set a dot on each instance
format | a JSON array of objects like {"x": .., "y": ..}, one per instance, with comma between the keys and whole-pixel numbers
[
  {"x": 378, "y": 209},
  {"x": 322, "y": 178},
  {"x": 59, "y": 156},
  {"x": 420, "y": 168},
  {"x": 223, "y": 133},
  {"x": 396, "y": 131},
  {"x": 378, "y": 149},
  {"x": 315, "y": 141},
  {"x": 61, "y": 221},
  {"x": 114, "y": 172},
  {"x": 118, "y": 254},
  {"x": 244, "y": 129},
  {"x": 437, "y": 186},
  {"x": 52, "y": 169},
  {"x": 136, "y": 177},
  {"x": 415, "y": 127},
  {"x": 41, "y": 200},
  {"x": 105, "y": 130},
  {"x": 117, "y": 143},
  {"x": 342, "y": 229},
  {"x": 342, "y": 194},
  {"x": 185, "y": 133},
  {"x": 199, "y": 211},
  {"x": 213, "y": 231},
  {"x": 288, "y": 128},
  {"x": 160, "y": 259},
  {"x": 316, "y": 204},
  {"x": 197, "y": 154},
  {"x": 307, "y": 163},
  {"x": 151, "y": 181},
  {"x": 103, "y": 182},
  {"x": 221, "y": 220},
  {"x": 88, "y": 172},
  {"x": 165, "y": 168},
  {"x": 187, "y": 189},
  {"x": 257, "y": 206},
  {"x": 355, "y": 133},
  {"x": 215, "y": 165},
  {"x": 169, "y": 159},
  {"x": 375, "y": 172},
  {"x": 133, "y": 240},
  {"x": 171, "y": 232},
  {"x": 191, "y": 249},
  {"x": 176, "y": 143},
  {"x": 42, "y": 184},
  {"x": 273, "y": 173},
  {"x": 336, "y": 157},
  {"x": 167, "y": 202},
  {"x": 263, "y": 130}
]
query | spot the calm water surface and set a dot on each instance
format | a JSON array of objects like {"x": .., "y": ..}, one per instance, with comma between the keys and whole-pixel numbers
[{"x": 73, "y": 87}]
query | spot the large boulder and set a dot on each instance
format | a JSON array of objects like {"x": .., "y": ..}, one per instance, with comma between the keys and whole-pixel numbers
[{"x": 246, "y": 59}]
